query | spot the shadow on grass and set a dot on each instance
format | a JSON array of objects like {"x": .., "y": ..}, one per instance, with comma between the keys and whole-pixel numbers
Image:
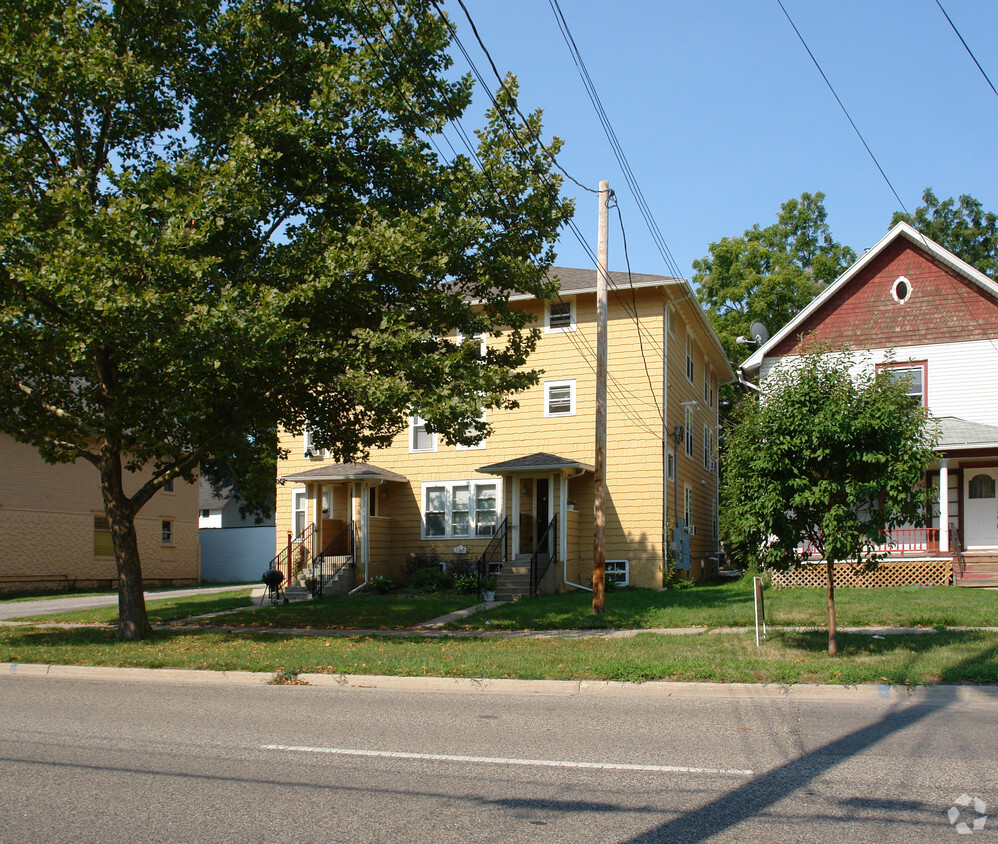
[{"x": 947, "y": 657}]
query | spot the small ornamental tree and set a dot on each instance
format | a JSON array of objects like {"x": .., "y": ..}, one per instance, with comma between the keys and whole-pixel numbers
[
  {"x": 832, "y": 455},
  {"x": 221, "y": 217}
]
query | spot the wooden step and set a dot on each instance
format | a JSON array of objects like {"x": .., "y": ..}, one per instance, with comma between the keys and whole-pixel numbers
[{"x": 978, "y": 580}]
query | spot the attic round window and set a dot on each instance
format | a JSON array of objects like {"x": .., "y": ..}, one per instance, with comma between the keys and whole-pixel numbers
[{"x": 901, "y": 290}]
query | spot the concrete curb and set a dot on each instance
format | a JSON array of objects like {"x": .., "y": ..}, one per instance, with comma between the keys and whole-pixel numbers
[{"x": 560, "y": 688}]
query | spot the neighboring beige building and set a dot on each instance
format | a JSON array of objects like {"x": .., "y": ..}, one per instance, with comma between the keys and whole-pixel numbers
[
  {"x": 530, "y": 487},
  {"x": 53, "y": 532}
]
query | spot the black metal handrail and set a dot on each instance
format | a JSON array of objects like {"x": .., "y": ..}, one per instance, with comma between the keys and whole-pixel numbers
[
  {"x": 344, "y": 544},
  {"x": 536, "y": 572},
  {"x": 495, "y": 552},
  {"x": 297, "y": 554}
]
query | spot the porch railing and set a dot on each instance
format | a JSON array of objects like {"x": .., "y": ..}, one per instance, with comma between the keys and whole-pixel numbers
[
  {"x": 956, "y": 548},
  {"x": 539, "y": 566},
  {"x": 909, "y": 540},
  {"x": 297, "y": 554},
  {"x": 337, "y": 556},
  {"x": 494, "y": 554}
]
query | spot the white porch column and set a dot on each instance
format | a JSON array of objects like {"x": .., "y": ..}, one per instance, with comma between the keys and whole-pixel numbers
[
  {"x": 514, "y": 517},
  {"x": 944, "y": 505},
  {"x": 364, "y": 538},
  {"x": 563, "y": 518}
]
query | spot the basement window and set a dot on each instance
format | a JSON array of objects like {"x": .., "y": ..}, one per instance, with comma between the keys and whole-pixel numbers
[{"x": 617, "y": 571}]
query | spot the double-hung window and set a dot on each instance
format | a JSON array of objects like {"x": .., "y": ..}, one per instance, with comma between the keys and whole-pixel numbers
[
  {"x": 913, "y": 375},
  {"x": 689, "y": 431},
  {"x": 559, "y": 398},
  {"x": 708, "y": 448},
  {"x": 689, "y": 357},
  {"x": 460, "y": 509},
  {"x": 475, "y": 429},
  {"x": 419, "y": 438},
  {"x": 559, "y": 316}
]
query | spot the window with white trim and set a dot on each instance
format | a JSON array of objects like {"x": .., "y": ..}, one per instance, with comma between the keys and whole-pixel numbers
[
  {"x": 473, "y": 430},
  {"x": 482, "y": 347},
  {"x": 460, "y": 509},
  {"x": 559, "y": 316},
  {"x": 708, "y": 448},
  {"x": 559, "y": 398},
  {"x": 419, "y": 438},
  {"x": 299, "y": 509},
  {"x": 167, "y": 527},
  {"x": 670, "y": 465},
  {"x": 689, "y": 357},
  {"x": 310, "y": 450},
  {"x": 168, "y": 486},
  {"x": 689, "y": 431},
  {"x": 688, "y": 506},
  {"x": 708, "y": 386},
  {"x": 617, "y": 571}
]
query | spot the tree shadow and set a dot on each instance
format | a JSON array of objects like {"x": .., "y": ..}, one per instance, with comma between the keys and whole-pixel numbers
[{"x": 759, "y": 794}]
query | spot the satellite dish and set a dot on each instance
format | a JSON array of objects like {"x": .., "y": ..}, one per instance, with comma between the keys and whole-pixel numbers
[{"x": 759, "y": 333}]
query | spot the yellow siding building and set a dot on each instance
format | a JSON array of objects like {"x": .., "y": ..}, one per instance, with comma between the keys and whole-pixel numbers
[
  {"x": 530, "y": 487},
  {"x": 53, "y": 532}
]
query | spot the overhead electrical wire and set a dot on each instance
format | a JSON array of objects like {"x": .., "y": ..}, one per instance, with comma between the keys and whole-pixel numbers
[
  {"x": 622, "y": 392},
  {"x": 845, "y": 111},
  {"x": 967, "y": 48}
]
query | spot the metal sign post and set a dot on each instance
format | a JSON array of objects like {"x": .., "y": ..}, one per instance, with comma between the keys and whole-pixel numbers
[{"x": 760, "y": 609}]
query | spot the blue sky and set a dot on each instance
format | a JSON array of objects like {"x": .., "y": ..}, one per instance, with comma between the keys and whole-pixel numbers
[{"x": 723, "y": 116}]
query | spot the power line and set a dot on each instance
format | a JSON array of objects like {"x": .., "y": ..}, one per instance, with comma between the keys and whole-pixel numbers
[
  {"x": 844, "y": 110},
  {"x": 621, "y": 392},
  {"x": 615, "y": 144},
  {"x": 969, "y": 51}
]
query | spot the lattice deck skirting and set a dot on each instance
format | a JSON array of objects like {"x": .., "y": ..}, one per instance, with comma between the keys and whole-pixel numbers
[{"x": 813, "y": 575}]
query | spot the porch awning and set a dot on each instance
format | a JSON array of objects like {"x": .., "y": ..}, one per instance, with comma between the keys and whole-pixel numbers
[
  {"x": 344, "y": 472},
  {"x": 539, "y": 462},
  {"x": 956, "y": 434}
]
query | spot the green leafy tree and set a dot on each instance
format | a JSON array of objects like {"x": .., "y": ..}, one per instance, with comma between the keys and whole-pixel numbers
[
  {"x": 825, "y": 457},
  {"x": 962, "y": 226},
  {"x": 769, "y": 274},
  {"x": 220, "y": 217}
]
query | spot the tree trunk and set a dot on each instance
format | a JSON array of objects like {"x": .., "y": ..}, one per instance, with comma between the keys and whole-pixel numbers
[
  {"x": 133, "y": 623},
  {"x": 833, "y": 647}
]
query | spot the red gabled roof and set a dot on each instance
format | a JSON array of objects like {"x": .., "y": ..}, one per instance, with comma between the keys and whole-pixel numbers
[{"x": 949, "y": 301}]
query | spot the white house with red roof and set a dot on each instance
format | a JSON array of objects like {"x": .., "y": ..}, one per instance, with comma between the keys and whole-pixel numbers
[{"x": 916, "y": 308}]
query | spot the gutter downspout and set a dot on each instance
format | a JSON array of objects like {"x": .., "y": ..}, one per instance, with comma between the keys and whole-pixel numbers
[
  {"x": 564, "y": 529},
  {"x": 364, "y": 515}
]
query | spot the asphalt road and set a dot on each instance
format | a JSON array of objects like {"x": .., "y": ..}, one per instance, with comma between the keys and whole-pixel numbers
[{"x": 110, "y": 760}]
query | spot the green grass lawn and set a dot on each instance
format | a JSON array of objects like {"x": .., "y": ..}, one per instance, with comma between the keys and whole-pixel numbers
[
  {"x": 365, "y": 611},
  {"x": 785, "y": 658},
  {"x": 731, "y": 605},
  {"x": 160, "y": 612}
]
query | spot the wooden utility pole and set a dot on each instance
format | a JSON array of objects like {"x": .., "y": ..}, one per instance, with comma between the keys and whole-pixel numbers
[{"x": 599, "y": 549}]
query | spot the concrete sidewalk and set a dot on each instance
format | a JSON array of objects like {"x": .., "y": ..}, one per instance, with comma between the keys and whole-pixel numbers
[{"x": 50, "y": 606}]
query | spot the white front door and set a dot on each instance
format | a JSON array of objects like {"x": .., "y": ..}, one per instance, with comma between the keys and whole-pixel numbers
[{"x": 980, "y": 511}]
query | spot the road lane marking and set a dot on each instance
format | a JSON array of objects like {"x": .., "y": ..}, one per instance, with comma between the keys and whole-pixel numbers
[{"x": 500, "y": 760}]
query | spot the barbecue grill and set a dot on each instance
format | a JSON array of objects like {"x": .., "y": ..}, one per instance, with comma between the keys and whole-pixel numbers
[{"x": 273, "y": 579}]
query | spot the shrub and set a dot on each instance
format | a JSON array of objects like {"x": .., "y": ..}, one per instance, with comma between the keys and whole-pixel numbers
[
  {"x": 431, "y": 580},
  {"x": 466, "y": 584},
  {"x": 381, "y": 585},
  {"x": 419, "y": 560}
]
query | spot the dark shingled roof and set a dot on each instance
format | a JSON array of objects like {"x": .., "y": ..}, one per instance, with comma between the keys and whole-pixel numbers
[
  {"x": 532, "y": 463},
  {"x": 956, "y": 433},
  {"x": 575, "y": 280},
  {"x": 210, "y": 498},
  {"x": 345, "y": 472}
]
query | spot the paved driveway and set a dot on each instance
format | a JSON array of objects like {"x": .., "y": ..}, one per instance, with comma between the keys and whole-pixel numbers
[{"x": 19, "y": 609}]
